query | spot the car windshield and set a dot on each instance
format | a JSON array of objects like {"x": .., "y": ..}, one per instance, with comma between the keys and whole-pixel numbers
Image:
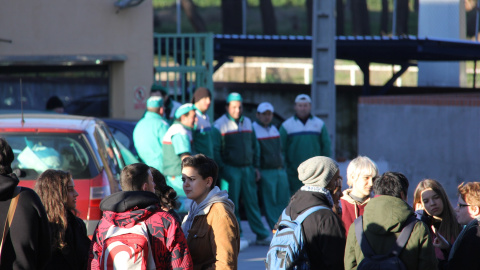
[{"x": 35, "y": 153}]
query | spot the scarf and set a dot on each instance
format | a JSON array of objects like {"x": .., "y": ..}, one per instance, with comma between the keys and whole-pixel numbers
[
  {"x": 214, "y": 196},
  {"x": 467, "y": 227},
  {"x": 322, "y": 190}
]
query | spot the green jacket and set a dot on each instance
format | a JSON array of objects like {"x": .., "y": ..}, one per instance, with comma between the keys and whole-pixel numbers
[
  {"x": 383, "y": 221},
  {"x": 235, "y": 143},
  {"x": 176, "y": 142},
  {"x": 147, "y": 137},
  {"x": 202, "y": 135},
  {"x": 269, "y": 146},
  {"x": 303, "y": 141}
]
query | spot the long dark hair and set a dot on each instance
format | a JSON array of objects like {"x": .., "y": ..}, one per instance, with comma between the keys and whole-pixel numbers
[
  {"x": 166, "y": 194},
  {"x": 449, "y": 226},
  {"x": 52, "y": 188}
]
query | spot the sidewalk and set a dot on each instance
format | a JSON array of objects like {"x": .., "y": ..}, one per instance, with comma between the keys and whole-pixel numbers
[{"x": 249, "y": 237}]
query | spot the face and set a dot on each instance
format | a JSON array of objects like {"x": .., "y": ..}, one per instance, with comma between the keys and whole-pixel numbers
[
  {"x": 302, "y": 109},
  {"x": 235, "y": 109},
  {"x": 72, "y": 195},
  {"x": 362, "y": 186},
  {"x": 189, "y": 119},
  {"x": 464, "y": 212},
  {"x": 150, "y": 185},
  {"x": 265, "y": 118},
  {"x": 203, "y": 104},
  {"x": 196, "y": 188},
  {"x": 432, "y": 203}
]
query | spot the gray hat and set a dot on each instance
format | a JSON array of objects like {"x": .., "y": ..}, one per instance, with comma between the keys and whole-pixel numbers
[{"x": 317, "y": 171}]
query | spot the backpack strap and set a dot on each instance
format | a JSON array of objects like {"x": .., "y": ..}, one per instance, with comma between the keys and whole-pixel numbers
[
  {"x": 310, "y": 210},
  {"x": 361, "y": 239},
  {"x": 404, "y": 235},
  {"x": 10, "y": 213}
]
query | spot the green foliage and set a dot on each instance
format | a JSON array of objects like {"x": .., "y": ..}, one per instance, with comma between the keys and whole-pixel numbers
[{"x": 217, "y": 3}]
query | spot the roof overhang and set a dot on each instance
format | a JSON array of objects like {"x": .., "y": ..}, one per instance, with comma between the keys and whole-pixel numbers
[{"x": 60, "y": 60}]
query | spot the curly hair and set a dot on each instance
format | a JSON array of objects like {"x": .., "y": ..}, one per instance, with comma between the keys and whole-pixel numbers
[
  {"x": 470, "y": 192},
  {"x": 449, "y": 226},
  {"x": 166, "y": 194},
  {"x": 52, "y": 188}
]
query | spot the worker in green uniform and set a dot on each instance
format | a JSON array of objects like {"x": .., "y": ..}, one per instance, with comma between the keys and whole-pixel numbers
[
  {"x": 169, "y": 103},
  {"x": 273, "y": 177},
  {"x": 235, "y": 149},
  {"x": 177, "y": 144},
  {"x": 303, "y": 136},
  {"x": 149, "y": 132},
  {"x": 202, "y": 134}
]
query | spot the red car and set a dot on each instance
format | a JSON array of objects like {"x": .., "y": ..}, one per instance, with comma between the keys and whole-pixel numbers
[{"x": 84, "y": 146}]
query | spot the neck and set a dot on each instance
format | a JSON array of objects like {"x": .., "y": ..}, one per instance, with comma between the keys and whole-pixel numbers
[{"x": 358, "y": 195}]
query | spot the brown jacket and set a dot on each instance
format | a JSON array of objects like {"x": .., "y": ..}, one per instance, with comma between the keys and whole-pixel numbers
[{"x": 214, "y": 238}]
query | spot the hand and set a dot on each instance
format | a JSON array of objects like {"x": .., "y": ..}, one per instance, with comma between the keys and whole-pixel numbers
[{"x": 440, "y": 241}]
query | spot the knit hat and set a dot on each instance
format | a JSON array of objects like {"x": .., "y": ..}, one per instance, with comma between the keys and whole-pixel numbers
[
  {"x": 317, "y": 171},
  {"x": 234, "y": 97},
  {"x": 200, "y": 93},
  {"x": 154, "y": 102},
  {"x": 185, "y": 108},
  {"x": 302, "y": 98}
]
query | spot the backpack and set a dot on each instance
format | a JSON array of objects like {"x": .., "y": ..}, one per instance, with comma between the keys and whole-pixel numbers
[
  {"x": 287, "y": 249},
  {"x": 127, "y": 248},
  {"x": 389, "y": 261}
]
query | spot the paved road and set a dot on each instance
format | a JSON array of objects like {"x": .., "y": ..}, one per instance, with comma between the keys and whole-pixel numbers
[{"x": 252, "y": 257}]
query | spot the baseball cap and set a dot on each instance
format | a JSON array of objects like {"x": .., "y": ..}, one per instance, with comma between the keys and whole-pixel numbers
[
  {"x": 185, "y": 108},
  {"x": 154, "y": 102},
  {"x": 234, "y": 97},
  {"x": 303, "y": 98},
  {"x": 264, "y": 106}
]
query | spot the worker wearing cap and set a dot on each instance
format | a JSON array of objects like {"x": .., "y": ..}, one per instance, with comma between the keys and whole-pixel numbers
[
  {"x": 303, "y": 136},
  {"x": 170, "y": 105},
  {"x": 202, "y": 134},
  {"x": 148, "y": 133},
  {"x": 235, "y": 149},
  {"x": 177, "y": 144},
  {"x": 273, "y": 178}
]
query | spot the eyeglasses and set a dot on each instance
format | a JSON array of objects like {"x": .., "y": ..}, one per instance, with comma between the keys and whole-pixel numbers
[{"x": 460, "y": 205}]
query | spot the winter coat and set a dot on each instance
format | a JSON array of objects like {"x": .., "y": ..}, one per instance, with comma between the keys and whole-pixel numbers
[
  {"x": 323, "y": 229},
  {"x": 214, "y": 238},
  {"x": 74, "y": 255},
  {"x": 466, "y": 254},
  {"x": 27, "y": 245},
  {"x": 351, "y": 209},
  {"x": 124, "y": 209},
  {"x": 383, "y": 220}
]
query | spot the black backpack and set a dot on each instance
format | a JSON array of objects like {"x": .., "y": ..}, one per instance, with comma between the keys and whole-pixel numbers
[{"x": 389, "y": 261}]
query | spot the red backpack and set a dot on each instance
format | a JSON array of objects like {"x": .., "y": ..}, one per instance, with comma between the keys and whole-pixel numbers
[{"x": 127, "y": 248}]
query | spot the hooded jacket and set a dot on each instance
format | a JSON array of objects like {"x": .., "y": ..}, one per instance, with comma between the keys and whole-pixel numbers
[
  {"x": 125, "y": 209},
  {"x": 351, "y": 209},
  {"x": 323, "y": 229},
  {"x": 383, "y": 221},
  {"x": 27, "y": 245}
]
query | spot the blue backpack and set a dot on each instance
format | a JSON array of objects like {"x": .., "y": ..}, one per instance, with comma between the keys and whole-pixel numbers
[{"x": 287, "y": 249}]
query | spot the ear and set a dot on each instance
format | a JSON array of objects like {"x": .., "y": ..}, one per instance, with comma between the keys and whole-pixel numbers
[
  {"x": 145, "y": 187},
  {"x": 209, "y": 181},
  {"x": 161, "y": 110},
  {"x": 476, "y": 210}
]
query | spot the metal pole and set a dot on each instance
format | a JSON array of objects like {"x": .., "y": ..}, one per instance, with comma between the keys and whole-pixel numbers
[
  {"x": 179, "y": 19},
  {"x": 394, "y": 18},
  {"x": 476, "y": 39},
  {"x": 244, "y": 17}
]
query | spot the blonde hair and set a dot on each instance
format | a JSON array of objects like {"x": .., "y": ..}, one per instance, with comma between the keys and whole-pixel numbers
[
  {"x": 470, "y": 192},
  {"x": 359, "y": 165}
]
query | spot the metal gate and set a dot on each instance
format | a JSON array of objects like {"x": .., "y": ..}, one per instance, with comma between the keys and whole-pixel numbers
[{"x": 183, "y": 63}]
